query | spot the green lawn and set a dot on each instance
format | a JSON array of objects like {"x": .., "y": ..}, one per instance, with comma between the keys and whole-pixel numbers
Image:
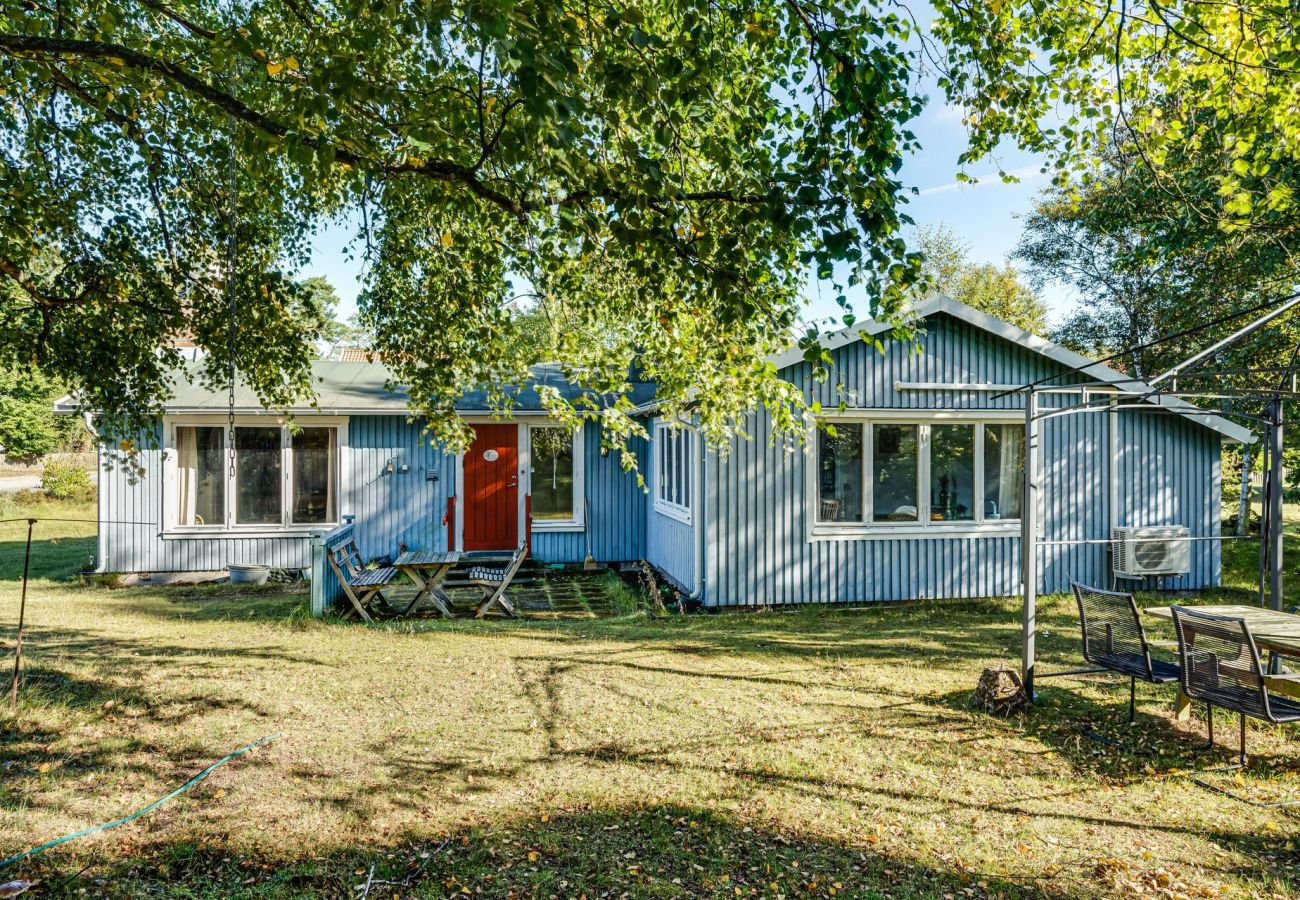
[{"x": 815, "y": 753}]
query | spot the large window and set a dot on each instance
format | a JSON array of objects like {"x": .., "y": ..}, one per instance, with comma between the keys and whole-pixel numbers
[
  {"x": 315, "y": 456},
  {"x": 258, "y": 458},
  {"x": 554, "y": 483},
  {"x": 282, "y": 476},
  {"x": 893, "y": 473},
  {"x": 674, "y": 450},
  {"x": 927, "y": 475},
  {"x": 840, "y": 473},
  {"x": 200, "y": 476},
  {"x": 1004, "y": 463}
]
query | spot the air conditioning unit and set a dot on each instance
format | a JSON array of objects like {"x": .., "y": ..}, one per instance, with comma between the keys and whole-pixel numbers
[{"x": 1140, "y": 552}]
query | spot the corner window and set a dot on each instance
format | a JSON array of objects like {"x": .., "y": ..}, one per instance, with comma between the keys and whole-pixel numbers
[
  {"x": 921, "y": 476},
  {"x": 553, "y": 474},
  {"x": 283, "y": 477},
  {"x": 674, "y": 449}
]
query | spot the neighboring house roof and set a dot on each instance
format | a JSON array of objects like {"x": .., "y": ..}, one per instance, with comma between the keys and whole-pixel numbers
[
  {"x": 1087, "y": 368},
  {"x": 360, "y": 388}
]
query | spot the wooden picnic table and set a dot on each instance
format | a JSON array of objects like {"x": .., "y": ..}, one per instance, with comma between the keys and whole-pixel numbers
[
  {"x": 1276, "y": 632},
  {"x": 427, "y": 569}
]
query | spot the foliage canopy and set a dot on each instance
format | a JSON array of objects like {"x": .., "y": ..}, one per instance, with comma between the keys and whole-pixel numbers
[{"x": 671, "y": 170}]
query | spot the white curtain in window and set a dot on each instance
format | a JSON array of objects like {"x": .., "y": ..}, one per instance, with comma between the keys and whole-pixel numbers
[
  {"x": 1009, "y": 466},
  {"x": 187, "y": 458}
]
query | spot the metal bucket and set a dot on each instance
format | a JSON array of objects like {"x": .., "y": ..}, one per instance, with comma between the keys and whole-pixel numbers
[{"x": 248, "y": 574}]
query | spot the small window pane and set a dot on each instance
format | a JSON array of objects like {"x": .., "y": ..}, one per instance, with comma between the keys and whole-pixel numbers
[
  {"x": 314, "y": 477},
  {"x": 675, "y": 459},
  {"x": 552, "y": 469},
  {"x": 840, "y": 474},
  {"x": 200, "y": 475},
  {"x": 952, "y": 473},
  {"x": 258, "y": 471},
  {"x": 893, "y": 473},
  {"x": 1004, "y": 465}
]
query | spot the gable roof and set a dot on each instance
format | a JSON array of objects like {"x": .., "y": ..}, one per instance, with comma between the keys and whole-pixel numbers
[
  {"x": 1089, "y": 368},
  {"x": 360, "y": 388}
]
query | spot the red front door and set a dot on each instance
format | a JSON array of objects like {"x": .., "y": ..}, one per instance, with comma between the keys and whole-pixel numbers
[{"x": 492, "y": 488}]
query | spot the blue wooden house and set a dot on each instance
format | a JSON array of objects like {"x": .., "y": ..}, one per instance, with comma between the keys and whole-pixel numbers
[{"x": 915, "y": 491}]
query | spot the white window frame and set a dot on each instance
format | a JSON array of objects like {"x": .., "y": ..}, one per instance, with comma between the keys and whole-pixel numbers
[
  {"x": 667, "y": 433},
  {"x": 924, "y": 527},
  {"x": 578, "y": 519},
  {"x": 286, "y": 528}
]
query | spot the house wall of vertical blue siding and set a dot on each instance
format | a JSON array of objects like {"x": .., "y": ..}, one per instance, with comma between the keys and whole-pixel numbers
[
  {"x": 390, "y": 508},
  {"x": 758, "y": 550},
  {"x": 395, "y": 508},
  {"x": 616, "y": 510},
  {"x": 671, "y": 545},
  {"x": 131, "y": 508}
]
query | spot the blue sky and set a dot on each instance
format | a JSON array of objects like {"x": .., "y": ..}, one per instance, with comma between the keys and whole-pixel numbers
[{"x": 985, "y": 215}]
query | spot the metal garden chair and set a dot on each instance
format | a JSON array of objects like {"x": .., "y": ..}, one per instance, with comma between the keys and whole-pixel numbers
[
  {"x": 1222, "y": 667},
  {"x": 1114, "y": 639}
]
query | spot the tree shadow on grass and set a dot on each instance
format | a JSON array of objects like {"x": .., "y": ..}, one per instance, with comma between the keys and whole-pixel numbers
[{"x": 655, "y": 851}]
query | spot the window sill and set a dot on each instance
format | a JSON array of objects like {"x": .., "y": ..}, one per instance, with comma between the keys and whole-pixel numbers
[
  {"x": 894, "y": 532},
  {"x": 197, "y": 534},
  {"x": 556, "y": 525},
  {"x": 677, "y": 513}
]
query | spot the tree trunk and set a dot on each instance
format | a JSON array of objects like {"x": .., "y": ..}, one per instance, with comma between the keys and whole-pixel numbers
[{"x": 1243, "y": 504}]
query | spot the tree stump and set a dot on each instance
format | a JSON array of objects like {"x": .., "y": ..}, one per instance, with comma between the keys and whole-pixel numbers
[{"x": 1000, "y": 691}]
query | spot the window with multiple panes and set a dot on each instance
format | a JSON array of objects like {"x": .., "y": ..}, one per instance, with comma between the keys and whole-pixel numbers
[
  {"x": 930, "y": 474},
  {"x": 282, "y": 476},
  {"x": 674, "y": 451},
  {"x": 555, "y": 476}
]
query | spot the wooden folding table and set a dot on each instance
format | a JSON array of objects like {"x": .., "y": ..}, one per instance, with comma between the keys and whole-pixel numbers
[{"x": 427, "y": 569}]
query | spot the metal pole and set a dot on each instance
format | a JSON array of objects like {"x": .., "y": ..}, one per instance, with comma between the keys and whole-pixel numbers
[
  {"x": 1028, "y": 544},
  {"x": 1265, "y": 510},
  {"x": 1236, "y": 335},
  {"x": 1275, "y": 510},
  {"x": 22, "y": 614}
]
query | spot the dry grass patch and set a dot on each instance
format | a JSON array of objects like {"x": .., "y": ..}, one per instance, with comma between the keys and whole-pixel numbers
[{"x": 816, "y": 753}]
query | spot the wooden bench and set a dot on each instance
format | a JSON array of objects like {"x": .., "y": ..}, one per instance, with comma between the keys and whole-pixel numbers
[
  {"x": 494, "y": 581},
  {"x": 363, "y": 586}
]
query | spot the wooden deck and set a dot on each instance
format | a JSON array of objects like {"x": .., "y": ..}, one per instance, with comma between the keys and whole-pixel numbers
[{"x": 540, "y": 594}]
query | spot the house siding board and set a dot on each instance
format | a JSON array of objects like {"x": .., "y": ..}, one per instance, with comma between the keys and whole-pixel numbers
[
  {"x": 616, "y": 503},
  {"x": 390, "y": 509},
  {"x": 757, "y": 547}
]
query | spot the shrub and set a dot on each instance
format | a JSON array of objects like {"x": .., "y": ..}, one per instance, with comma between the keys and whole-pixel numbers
[{"x": 66, "y": 481}]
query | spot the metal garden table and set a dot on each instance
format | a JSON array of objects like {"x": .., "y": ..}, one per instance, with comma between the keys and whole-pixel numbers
[
  {"x": 427, "y": 569},
  {"x": 1276, "y": 632}
]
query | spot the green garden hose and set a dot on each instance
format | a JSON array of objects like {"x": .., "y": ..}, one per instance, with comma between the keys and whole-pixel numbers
[{"x": 27, "y": 854}]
